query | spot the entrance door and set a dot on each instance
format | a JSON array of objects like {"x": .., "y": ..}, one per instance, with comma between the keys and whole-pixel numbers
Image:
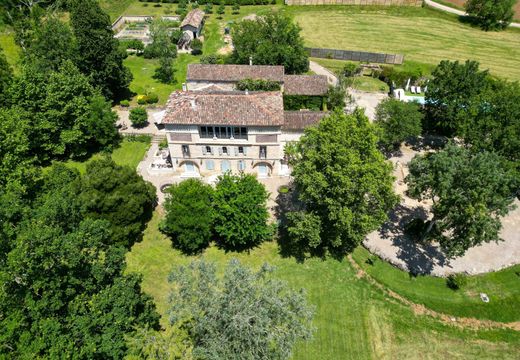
[{"x": 262, "y": 170}]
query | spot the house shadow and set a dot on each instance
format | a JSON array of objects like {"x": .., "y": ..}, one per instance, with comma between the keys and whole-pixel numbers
[
  {"x": 420, "y": 257},
  {"x": 427, "y": 142}
]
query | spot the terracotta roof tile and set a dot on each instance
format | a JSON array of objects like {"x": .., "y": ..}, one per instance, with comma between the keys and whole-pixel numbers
[
  {"x": 233, "y": 73},
  {"x": 193, "y": 18},
  {"x": 225, "y": 108},
  {"x": 311, "y": 85},
  {"x": 299, "y": 120}
]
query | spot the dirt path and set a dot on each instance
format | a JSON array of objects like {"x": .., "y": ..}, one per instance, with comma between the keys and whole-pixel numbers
[{"x": 420, "y": 309}]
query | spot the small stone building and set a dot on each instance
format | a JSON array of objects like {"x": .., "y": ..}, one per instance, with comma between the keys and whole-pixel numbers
[{"x": 193, "y": 23}]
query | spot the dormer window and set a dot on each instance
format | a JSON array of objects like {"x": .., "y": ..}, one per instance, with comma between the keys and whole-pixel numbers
[{"x": 224, "y": 150}]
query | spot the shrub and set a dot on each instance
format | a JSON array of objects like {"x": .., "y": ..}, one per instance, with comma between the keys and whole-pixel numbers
[
  {"x": 351, "y": 69},
  {"x": 138, "y": 117},
  {"x": 196, "y": 47},
  {"x": 284, "y": 189},
  {"x": 124, "y": 103},
  {"x": 163, "y": 144},
  {"x": 209, "y": 59},
  {"x": 142, "y": 99},
  {"x": 152, "y": 98},
  {"x": 175, "y": 36},
  {"x": 456, "y": 281}
]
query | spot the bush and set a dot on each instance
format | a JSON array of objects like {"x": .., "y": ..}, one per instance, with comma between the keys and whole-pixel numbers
[
  {"x": 210, "y": 59},
  {"x": 138, "y": 117},
  {"x": 196, "y": 47},
  {"x": 152, "y": 98},
  {"x": 456, "y": 281},
  {"x": 298, "y": 102},
  {"x": 189, "y": 215},
  {"x": 124, "y": 103},
  {"x": 142, "y": 99},
  {"x": 163, "y": 144},
  {"x": 175, "y": 36},
  {"x": 352, "y": 69}
]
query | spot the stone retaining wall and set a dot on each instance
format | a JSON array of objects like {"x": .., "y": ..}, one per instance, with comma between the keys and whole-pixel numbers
[{"x": 394, "y": 59}]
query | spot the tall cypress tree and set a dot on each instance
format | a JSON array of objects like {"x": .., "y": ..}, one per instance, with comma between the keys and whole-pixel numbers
[{"x": 99, "y": 55}]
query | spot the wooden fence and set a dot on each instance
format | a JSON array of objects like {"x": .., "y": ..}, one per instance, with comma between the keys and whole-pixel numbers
[
  {"x": 356, "y": 2},
  {"x": 395, "y": 59}
]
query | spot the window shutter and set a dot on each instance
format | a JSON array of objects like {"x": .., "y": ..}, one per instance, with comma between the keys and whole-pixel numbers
[
  {"x": 236, "y": 150},
  {"x": 220, "y": 150},
  {"x": 245, "y": 150},
  {"x": 203, "y": 150}
]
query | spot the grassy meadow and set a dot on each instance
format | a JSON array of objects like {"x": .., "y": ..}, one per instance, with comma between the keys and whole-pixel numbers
[
  {"x": 354, "y": 319},
  {"x": 9, "y": 47},
  {"x": 421, "y": 34}
]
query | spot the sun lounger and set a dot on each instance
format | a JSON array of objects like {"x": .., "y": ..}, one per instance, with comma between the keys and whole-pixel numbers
[
  {"x": 418, "y": 90},
  {"x": 412, "y": 89}
]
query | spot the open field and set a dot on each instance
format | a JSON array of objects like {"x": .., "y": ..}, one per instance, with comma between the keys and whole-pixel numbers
[
  {"x": 422, "y": 35},
  {"x": 354, "y": 320},
  {"x": 129, "y": 153}
]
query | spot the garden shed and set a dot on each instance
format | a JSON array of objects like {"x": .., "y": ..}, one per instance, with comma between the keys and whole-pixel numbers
[{"x": 193, "y": 23}]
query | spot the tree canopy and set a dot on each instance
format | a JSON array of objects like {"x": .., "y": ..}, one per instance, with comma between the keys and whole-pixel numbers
[
  {"x": 118, "y": 194},
  {"x": 343, "y": 183},
  {"x": 6, "y": 76},
  {"x": 491, "y": 14},
  {"x": 240, "y": 212},
  {"x": 189, "y": 215},
  {"x": 98, "y": 55},
  {"x": 470, "y": 193},
  {"x": 273, "y": 39},
  {"x": 242, "y": 315},
  {"x": 62, "y": 287},
  {"x": 453, "y": 95},
  {"x": 397, "y": 121}
]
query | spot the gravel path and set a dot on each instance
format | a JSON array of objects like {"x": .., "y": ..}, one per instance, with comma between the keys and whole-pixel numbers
[{"x": 391, "y": 244}]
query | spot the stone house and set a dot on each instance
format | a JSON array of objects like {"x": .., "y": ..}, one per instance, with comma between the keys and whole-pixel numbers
[
  {"x": 193, "y": 23},
  {"x": 212, "y": 128}
]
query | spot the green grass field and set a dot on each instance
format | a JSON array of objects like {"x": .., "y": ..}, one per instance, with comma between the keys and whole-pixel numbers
[
  {"x": 502, "y": 287},
  {"x": 422, "y": 35},
  {"x": 129, "y": 153},
  {"x": 9, "y": 47},
  {"x": 354, "y": 320}
]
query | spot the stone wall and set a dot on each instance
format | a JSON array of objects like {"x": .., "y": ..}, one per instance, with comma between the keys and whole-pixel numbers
[
  {"x": 395, "y": 59},
  {"x": 356, "y": 2}
]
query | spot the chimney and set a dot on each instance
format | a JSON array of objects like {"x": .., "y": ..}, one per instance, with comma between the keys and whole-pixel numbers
[
  {"x": 193, "y": 105},
  {"x": 184, "y": 87},
  {"x": 250, "y": 61}
]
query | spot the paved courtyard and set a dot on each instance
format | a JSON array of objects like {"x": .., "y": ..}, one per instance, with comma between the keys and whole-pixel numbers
[{"x": 391, "y": 244}]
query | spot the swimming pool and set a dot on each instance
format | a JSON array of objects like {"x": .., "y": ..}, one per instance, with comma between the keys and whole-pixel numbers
[{"x": 419, "y": 99}]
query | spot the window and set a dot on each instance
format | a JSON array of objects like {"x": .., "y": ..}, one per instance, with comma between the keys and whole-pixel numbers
[
  {"x": 241, "y": 165},
  {"x": 225, "y": 165},
  {"x": 263, "y": 152},
  {"x": 223, "y": 132},
  {"x": 185, "y": 150},
  {"x": 224, "y": 150},
  {"x": 241, "y": 150},
  {"x": 210, "y": 165},
  {"x": 208, "y": 149}
]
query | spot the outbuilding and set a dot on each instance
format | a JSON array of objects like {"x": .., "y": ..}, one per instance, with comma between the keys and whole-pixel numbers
[{"x": 193, "y": 23}]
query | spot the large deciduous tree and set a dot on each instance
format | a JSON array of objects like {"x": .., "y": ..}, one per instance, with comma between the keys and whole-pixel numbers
[
  {"x": 397, "y": 121},
  {"x": 240, "y": 212},
  {"x": 51, "y": 45},
  {"x": 491, "y": 14},
  {"x": 118, "y": 194},
  {"x": 189, "y": 215},
  {"x": 242, "y": 315},
  {"x": 6, "y": 77},
  {"x": 344, "y": 185},
  {"x": 470, "y": 192},
  {"x": 273, "y": 39},
  {"x": 99, "y": 56},
  {"x": 69, "y": 118},
  {"x": 453, "y": 95}
]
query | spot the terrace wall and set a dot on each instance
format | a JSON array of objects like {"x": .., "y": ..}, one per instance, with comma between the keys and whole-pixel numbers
[{"x": 395, "y": 59}]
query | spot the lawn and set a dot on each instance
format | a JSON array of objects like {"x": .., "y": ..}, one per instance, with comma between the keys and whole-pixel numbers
[
  {"x": 421, "y": 34},
  {"x": 354, "y": 320},
  {"x": 502, "y": 287},
  {"x": 129, "y": 153},
  {"x": 9, "y": 47}
]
